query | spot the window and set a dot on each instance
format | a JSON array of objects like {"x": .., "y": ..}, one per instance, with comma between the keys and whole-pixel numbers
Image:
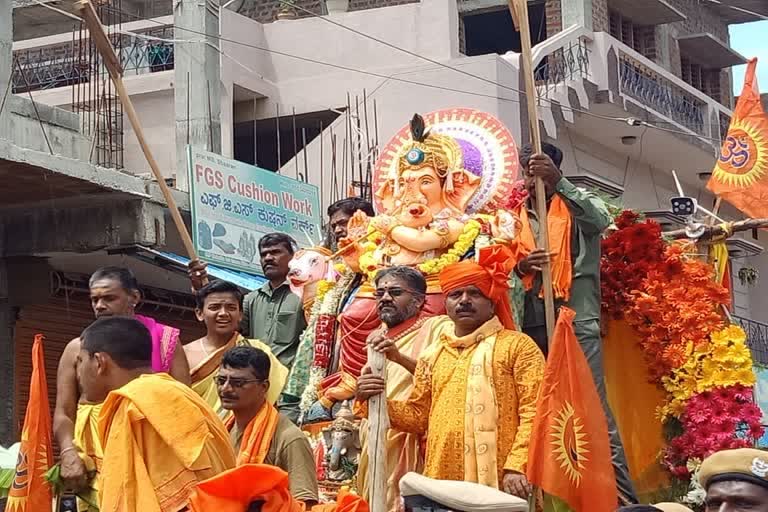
[
  {"x": 493, "y": 32},
  {"x": 703, "y": 79},
  {"x": 641, "y": 38}
]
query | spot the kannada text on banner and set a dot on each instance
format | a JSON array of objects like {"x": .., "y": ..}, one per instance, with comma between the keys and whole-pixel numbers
[{"x": 234, "y": 204}]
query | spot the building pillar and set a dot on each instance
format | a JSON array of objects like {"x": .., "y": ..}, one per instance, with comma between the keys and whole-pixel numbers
[
  {"x": 7, "y": 354},
  {"x": 197, "y": 81},
  {"x": 577, "y": 12},
  {"x": 6, "y": 60}
]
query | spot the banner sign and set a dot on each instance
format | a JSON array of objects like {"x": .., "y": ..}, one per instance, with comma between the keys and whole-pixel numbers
[{"x": 234, "y": 204}]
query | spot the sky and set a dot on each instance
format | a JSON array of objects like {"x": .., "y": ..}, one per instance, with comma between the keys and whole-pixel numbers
[{"x": 749, "y": 39}]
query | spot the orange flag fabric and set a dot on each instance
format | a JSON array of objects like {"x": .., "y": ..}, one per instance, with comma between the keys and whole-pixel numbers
[
  {"x": 741, "y": 173},
  {"x": 570, "y": 455},
  {"x": 30, "y": 492}
]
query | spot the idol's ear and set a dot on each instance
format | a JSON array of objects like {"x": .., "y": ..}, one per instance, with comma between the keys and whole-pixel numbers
[{"x": 459, "y": 188}]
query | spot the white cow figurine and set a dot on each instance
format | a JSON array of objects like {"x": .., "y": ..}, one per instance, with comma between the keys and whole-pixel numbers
[{"x": 307, "y": 268}]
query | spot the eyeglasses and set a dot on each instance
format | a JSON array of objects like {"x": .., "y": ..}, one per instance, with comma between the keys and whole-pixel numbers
[
  {"x": 236, "y": 383},
  {"x": 393, "y": 292}
]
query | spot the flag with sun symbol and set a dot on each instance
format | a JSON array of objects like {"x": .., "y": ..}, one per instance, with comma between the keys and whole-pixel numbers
[
  {"x": 570, "y": 453},
  {"x": 30, "y": 492},
  {"x": 741, "y": 172}
]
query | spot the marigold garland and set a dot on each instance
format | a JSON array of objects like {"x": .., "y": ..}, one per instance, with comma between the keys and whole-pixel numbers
[
  {"x": 671, "y": 300},
  {"x": 369, "y": 265},
  {"x": 627, "y": 256},
  {"x": 677, "y": 304},
  {"x": 724, "y": 361}
]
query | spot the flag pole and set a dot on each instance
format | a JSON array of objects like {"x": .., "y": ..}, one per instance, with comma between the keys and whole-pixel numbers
[
  {"x": 519, "y": 11},
  {"x": 112, "y": 63}
]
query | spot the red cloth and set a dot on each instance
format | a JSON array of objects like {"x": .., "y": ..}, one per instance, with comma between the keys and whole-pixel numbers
[{"x": 490, "y": 274}]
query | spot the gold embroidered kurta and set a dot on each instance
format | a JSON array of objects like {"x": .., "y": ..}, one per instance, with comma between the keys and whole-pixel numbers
[{"x": 437, "y": 404}]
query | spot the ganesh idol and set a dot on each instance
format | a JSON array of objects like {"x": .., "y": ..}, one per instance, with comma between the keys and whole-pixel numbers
[{"x": 440, "y": 191}]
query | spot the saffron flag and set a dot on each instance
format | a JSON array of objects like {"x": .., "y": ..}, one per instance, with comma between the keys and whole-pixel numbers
[
  {"x": 741, "y": 173},
  {"x": 30, "y": 492},
  {"x": 570, "y": 453}
]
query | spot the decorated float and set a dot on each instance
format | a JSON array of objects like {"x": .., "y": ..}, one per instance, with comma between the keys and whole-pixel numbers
[{"x": 443, "y": 187}]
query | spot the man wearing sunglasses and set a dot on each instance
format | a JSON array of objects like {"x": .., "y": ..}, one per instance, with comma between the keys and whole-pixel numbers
[
  {"x": 259, "y": 433},
  {"x": 400, "y": 293}
]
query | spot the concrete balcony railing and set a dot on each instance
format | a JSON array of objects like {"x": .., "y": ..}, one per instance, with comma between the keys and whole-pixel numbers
[
  {"x": 575, "y": 57},
  {"x": 757, "y": 338},
  {"x": 64, "y": 60}
]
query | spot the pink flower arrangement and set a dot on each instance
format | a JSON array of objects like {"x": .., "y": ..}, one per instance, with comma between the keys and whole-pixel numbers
[{"x": 721, "y": 419}]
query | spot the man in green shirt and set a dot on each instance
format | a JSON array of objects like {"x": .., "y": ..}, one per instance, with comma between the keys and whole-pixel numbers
[
  {"x": 589, "y": 218},
  {"x": 272, "y": 313}
]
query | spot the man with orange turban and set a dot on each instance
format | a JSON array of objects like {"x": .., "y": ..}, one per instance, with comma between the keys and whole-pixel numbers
[{"x": 479, "y": 365}]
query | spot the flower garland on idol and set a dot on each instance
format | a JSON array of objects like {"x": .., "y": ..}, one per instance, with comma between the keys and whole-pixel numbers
[{"x": 703, "y": 364}]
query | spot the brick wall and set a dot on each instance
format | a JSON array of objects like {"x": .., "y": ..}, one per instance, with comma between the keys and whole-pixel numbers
[
  {"x": 554, "y": 15},
  {"x": 600, "y": 19},
  {"x": 265, "y": 11},
  {"x": 700, "y": 19}
]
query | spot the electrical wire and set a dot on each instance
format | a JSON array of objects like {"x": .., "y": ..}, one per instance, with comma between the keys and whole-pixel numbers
[{"x": 631, "y": 121}]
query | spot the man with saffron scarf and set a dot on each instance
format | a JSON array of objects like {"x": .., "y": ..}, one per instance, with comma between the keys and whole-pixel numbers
[
  {"x": 114, "y": 293},
  {"x": 159, "y": 438},
  {"x": 479, "y": 365},
  {"x": 219, "y": 306},
  {"x": 576, "y": 220},
  {"x": 400, "y": 295},
  {"x": 259, "y": 433}
]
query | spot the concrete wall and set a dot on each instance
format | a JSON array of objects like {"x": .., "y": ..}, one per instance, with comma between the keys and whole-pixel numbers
[
  {"x": 24, "y": 128},
  {"x": 155, "y": 109}
]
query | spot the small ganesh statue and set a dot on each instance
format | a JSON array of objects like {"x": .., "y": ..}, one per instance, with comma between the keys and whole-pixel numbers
[
  {"x": 438, "y": 190},
  {"x": 342, "y": 441}
]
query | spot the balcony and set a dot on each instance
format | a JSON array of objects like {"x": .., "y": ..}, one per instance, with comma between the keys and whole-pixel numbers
[
  {"x": 586, "y": 70},
  {"x": 61, "y": 64},
  {"x": 757, "y": 338}
]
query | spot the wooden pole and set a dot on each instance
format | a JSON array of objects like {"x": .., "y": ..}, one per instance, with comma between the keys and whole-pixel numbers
[
  {"x": 115, "y": 70},
  {"x": 519, "y": 11},
  {"x": 378, "y": 425},
  {"x": 720, "y": 229}
]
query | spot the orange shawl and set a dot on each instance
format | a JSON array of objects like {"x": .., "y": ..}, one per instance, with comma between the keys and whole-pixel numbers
[
  {"x": 490, "y": 274},
  {"x": 160, "y": 439},
  {"x": 236, "y": 489},
  {"x": 559, "y": 231},
  {"x": 257, "y": 436}
]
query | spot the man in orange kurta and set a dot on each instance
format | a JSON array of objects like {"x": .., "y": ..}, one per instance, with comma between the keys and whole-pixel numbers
[
  {"x": 478, "y": 365},
  {"x": 159, "y": 438}
]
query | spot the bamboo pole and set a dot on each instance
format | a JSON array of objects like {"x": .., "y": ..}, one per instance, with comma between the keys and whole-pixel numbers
[
  {"x": 111, "y": 62},
  {"x": 378, "y": 425},
  {"x": 519, "y": 11},
  {"x": 721, "y": 229}
]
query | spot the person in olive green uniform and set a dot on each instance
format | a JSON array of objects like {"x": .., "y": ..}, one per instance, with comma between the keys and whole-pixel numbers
[
  {"x": 589, "y": 218},
  {"x": 272, "y": 313}
]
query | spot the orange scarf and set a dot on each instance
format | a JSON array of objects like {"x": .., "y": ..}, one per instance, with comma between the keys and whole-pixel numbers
[
  {"x": 559, "y": 231},
  {"x": 257, "y": 436}
]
